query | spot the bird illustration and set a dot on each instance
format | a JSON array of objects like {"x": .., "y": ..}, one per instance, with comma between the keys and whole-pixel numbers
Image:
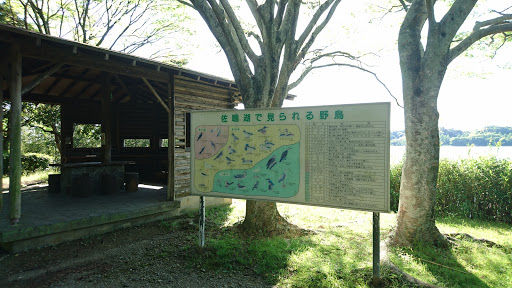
[
  {"x": 249, "y": 148},
  {"x": 234, "y": 137},
  {"x": 213, "y": 144},
  {"x": 241, "y": 176},
  {"x": 283, "y": 176},
  {"x": 263, "y": 130},
  {"x": 267, "y": 145},
  {"x": 284, "y": 154},
  {"x": 227, "y": 184},
  {"x": 231, "y": 150},
  {"x": 246, "y": 161},
  {"x": 271, "y": 161},
  {"x": 202, "y": 150},
  {"x": 247, "y": 134},
  {"x": 270, "y": 184},
  {"x": 218, "y": 156},
  {"x": 229, "y": 160},
  {"x": 255, "y": 185},
  {"x": 241, "y": 186},
  {"x": 199, "y": 136},
  {"x": 203, "y": 174}
]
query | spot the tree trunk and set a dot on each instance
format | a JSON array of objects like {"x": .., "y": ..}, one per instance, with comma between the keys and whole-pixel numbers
[
  {"x": 421, "y": 84},
  {"x": 422, "y": 74},
  {"x": 263, "y": 219},
  {"x": 415, "y": 220}
]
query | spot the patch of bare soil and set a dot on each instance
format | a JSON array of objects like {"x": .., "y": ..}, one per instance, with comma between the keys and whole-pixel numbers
[{"x": 151, "y": 255}]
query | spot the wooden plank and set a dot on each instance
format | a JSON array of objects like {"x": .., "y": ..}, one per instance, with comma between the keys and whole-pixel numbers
[
  {"x": 41, "y": 77},
  {"x": 15, "y": 134},
  {"x": 171, "y": 138}
]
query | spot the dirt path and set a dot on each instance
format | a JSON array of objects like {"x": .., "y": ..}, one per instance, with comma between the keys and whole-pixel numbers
[{"x": 143, "y": 256}]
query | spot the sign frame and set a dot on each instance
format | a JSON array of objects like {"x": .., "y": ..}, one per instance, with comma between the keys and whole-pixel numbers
[{"x": 351, "y": 123}]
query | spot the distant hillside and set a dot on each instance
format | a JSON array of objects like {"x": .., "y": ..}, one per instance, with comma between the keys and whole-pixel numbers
[{"x": 482, "y": 137}]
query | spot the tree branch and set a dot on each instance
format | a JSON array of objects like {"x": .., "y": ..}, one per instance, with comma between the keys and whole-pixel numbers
[
  {"x": 406, "y": 8},
  {"x": 315, "y": 33},
  {"x": 312, "y": 23},
  {"x": 430, "y": 14},
  {"x": 476, "y": 36},
  {"x": 239, "y": 32},
  {"x": 311, "y": 68},
  {"x": 496, "y": 21},
  {"x": 454, "y": 18}
]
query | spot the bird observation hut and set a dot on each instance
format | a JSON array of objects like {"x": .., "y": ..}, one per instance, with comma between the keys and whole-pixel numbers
[{"x": 140, "y": 106}]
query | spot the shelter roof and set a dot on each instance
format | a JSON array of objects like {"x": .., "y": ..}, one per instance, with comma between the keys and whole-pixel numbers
[{"x": 78, "y": 71}]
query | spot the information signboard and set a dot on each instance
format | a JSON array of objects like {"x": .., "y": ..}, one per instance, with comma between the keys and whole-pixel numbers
[{"x": 332, "y": 156}]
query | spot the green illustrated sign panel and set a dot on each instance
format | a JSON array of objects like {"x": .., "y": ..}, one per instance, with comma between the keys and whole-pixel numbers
[{"x": 333, "y": 156}]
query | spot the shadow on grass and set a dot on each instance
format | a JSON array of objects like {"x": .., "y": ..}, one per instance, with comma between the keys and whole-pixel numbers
[
  {"x": 336, "y": 257},
  {"x": 440, "y": 266},
  {"x": 329, "y": 258}
]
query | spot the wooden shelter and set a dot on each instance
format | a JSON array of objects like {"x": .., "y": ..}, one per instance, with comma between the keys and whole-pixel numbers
[{"x": 130, "y": 97}]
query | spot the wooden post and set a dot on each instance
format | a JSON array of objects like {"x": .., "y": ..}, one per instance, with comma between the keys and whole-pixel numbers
[
  {"x": 106, "y": 121},
  {"x": 15, "y": 134},
  {"x": 3, "y": 74},
  {"x": 66, "y": 139},
  {"x": 171, "y": 139}
]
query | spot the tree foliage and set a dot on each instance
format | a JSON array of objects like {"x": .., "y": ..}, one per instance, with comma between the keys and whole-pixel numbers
[{"x": 125, "y": 26}]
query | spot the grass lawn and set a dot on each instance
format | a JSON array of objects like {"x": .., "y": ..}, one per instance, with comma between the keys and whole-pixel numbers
[
  {"x": 38, "y": 177},
  {"x": 339, "y": 251}
]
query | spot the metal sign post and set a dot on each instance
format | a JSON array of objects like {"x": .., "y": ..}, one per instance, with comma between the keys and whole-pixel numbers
[
  {"x": 376, "y": 248},
  {"x": 202, "y": 221}
]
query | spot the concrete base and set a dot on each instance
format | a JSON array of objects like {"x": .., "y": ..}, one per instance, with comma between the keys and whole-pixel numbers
[
  {"x": 100, "y": 215},
  {"x": 27, "y": 238},
  {"x": 191, "y": 203}
]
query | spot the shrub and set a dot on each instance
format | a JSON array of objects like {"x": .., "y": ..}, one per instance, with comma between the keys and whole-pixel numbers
[
  {"x": 30, "y": 162},
  {"x": 478, "y": 188},
  {"x": 396, "y": 177}
]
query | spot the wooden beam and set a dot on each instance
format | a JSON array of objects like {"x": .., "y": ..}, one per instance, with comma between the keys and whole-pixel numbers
[
  {"x": 62, "y": 54},
  {"x": 41, "y": 77},
  {"x": 156, "y": 95},
  {"x": 15, "y": 133},
  {"x": 125, "y": 89},
  {"x": 3, "y": 75},
  {"x": 171, "y": 140},
  {"x": 106, "y": 120}
]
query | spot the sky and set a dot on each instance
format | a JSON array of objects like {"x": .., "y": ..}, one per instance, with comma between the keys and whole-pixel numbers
[{"x": 474, "y": 93}]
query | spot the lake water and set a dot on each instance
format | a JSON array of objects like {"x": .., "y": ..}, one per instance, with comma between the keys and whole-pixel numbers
[{"x": 456, "y": 152}]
